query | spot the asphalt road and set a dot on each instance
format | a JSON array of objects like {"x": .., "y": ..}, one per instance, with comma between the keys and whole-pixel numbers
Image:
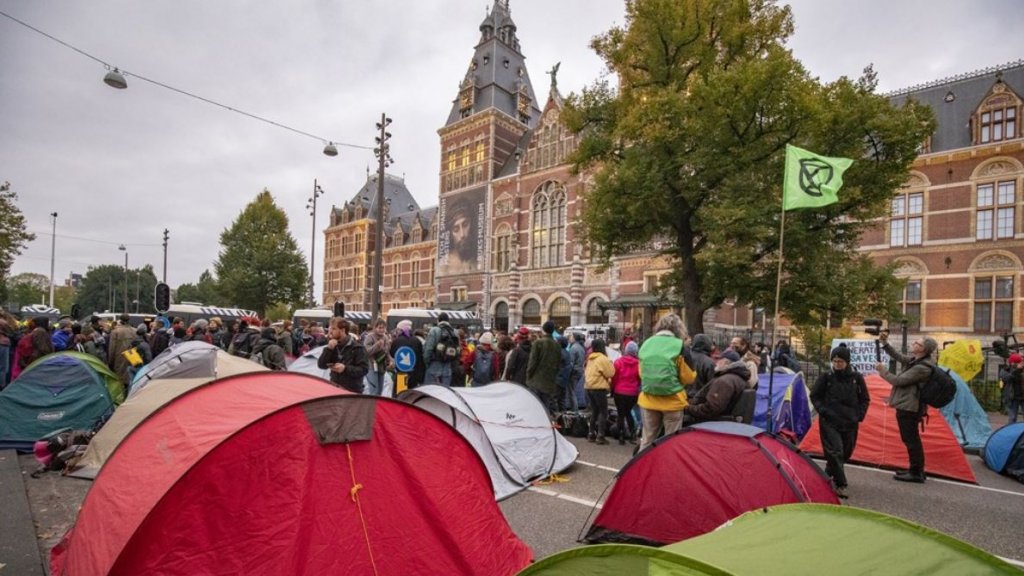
[{"x": 989, "y": 515}]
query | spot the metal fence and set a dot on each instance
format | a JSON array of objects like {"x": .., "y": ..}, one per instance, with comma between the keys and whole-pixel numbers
[{"x": 985, "y": 385}]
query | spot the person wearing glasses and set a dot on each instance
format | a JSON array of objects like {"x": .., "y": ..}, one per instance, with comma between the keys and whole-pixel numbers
[{"x": 906, "y": 390}]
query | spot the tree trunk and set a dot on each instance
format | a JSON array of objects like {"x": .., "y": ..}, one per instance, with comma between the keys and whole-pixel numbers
[{"x": 692, "y": 287}]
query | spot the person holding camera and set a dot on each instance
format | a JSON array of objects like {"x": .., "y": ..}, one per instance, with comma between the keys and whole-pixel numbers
[{"x": 906, "y": 387}]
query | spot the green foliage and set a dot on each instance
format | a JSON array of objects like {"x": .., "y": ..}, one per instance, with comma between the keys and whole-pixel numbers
[
  {"x": 205, "y": 291},
  {"x": 817, "y": 341},
  {"x": 63, "y": 298},
  {"x": 28, "y": 288},
  {"x": 709, "y": 97},
  {"x": 279, "y": 311},
  {"x": 103, "y": 289},
  {"x": 13, "y": 234},
  {"x": 259, "y": 262}
]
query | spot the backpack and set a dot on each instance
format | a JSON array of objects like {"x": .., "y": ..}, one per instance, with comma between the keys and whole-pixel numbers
[
  {"x": 483, "y": 366},
  {"x": 447, "y": 344},
  {"x": 258, "y": 358},
  {"x": 939, "y": 390},
  {"x": 242, "y": 344}
]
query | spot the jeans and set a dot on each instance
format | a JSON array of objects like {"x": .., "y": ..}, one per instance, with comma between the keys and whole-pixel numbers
[
  {"x": 624, "y": 407},
  {"x": 598, "y": 400},
  {"x": 910, "y": 434},
  {"x": 373, "y": 383},
  {"x": 1012, "y": 408},
  {"x": 438, "y": 373}
]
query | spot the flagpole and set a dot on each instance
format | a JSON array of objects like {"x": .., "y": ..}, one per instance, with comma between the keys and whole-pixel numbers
[{"x": 775, "y": 321}]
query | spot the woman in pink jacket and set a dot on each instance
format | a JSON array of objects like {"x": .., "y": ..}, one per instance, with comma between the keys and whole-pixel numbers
[{"x": 625, "y": 390}]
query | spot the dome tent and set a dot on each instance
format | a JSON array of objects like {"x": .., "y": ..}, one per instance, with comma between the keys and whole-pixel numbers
[
  {"x": 193, "y": 359},
  {"x": 836, "y": 540},
  {"x": 1004, "y": 451},
  {"x": 966, "y": 418},
  {"x": 62, "y": 390},
  {"x": 508, "y": 427},
  {"x": 299, "y": 478},
  {"x": 702, "y": 476}
]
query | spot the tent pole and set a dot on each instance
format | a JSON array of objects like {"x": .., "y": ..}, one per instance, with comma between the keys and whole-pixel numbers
[{"x": 775, "y": 322}]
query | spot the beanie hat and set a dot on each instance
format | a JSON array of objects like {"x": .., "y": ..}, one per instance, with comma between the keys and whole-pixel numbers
[
  {"x": 486, "y": 339},
  {"x": 405, "y": 326},
  {"x": 1015, "y": 358},
  {"x": 841, "y": 352},
  {"x": 548, "y": 327},
  {"x": 730, "y": 355},
  {"x": 632, "y": 349},
  {"x": 523, "y": 332}
]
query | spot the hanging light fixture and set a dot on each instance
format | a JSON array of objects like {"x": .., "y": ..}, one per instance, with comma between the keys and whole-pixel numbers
[
  {"x": 114, "y": 79},
  {"x": 331, "y": 149}
]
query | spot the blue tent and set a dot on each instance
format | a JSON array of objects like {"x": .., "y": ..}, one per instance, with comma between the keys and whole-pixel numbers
[
  {"x": 791, "y": 406},
  {"x": 966, "y": 417},
  {"x": 1004, "y": 451},
  {"x": 57, "y": 391}
]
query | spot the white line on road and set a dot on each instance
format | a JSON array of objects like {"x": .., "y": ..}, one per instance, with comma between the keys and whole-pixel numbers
[
  {"x": 598, "y": 466},
  {"x": 933, "y": 479},
  {"x": 560, "y": 496}
]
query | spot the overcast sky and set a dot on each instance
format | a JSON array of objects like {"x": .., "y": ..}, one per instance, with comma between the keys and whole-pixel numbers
[{"x": 119, "y": 166}]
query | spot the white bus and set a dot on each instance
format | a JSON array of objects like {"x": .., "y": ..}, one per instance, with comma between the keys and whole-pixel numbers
[
  {"x": 425, "y": 318},
  {"x": 323, "y": 315}
]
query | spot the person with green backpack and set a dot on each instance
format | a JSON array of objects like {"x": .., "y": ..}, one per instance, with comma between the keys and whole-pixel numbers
[{"x": 664, "y": 374}]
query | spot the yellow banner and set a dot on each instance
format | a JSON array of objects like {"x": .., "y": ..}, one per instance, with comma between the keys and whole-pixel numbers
[{"x": 963, "y": 357}]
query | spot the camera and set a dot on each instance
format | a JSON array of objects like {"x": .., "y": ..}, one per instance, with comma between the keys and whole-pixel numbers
[{"x": 873, "y": 326}]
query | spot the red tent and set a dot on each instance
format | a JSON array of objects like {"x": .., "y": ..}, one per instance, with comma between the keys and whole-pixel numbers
[
  {"x": 281, "y": 473},
  {"x": 878, "y": 441},
  {"x": 694, "y": 481}
]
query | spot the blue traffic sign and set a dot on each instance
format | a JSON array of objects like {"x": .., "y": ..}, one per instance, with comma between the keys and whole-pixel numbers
[{"x": 405, "y": 359}]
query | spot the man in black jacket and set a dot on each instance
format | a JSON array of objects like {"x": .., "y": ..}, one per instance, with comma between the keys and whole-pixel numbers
[
  {"x": 841, "y": 399},
  {"x": 703, "y": 364},
  {"x": 345, "y": 356},
  {"x": 720, "y": 395},
  {"x": 404, "y": 338},
  {"x": 1013, "y": 385}
]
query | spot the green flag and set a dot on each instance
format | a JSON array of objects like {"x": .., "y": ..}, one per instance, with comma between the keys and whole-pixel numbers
[{"x": 812, "y": 181}]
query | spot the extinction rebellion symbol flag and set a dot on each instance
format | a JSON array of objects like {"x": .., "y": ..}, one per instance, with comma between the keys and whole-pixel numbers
[{"x": 811, "y": 180}]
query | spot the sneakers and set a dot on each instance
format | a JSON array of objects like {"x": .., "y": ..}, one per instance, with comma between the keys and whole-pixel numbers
[
  {"x": 914, "y": 477},
  {"x": 601, "y": 440},
  {"x": 841, "y": 492},
  {"x": 591, "y": 437}
]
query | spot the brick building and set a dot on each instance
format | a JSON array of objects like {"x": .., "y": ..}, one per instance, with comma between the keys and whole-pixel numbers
[{"x": 955, "y": 230}]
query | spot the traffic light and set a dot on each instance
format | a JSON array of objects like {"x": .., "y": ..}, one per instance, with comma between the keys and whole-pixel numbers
[
  {"x": 162, "y": 298},
  {"x": 339, "y": 308}
]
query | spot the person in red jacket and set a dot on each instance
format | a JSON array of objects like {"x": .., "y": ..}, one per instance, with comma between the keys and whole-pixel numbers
[{"x": 626, "y": 390}]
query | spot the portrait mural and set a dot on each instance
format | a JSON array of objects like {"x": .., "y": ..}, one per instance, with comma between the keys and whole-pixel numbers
[{"x": 461, "y": 239}]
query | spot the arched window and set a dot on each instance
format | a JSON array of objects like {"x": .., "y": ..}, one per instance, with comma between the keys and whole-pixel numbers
[
  {"x": 502, "y": 258},
  {"x": 548, "y": 229},
  {"x": 501, "y": 317},
  {"x": 560, "y": 312},
  {"x": 531, "y": 312},
  {"x": 594, "y": 313}
]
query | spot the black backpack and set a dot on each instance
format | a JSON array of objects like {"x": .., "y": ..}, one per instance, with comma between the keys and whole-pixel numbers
[
  {"x": 448, "y": 347},
  {"x": 939, "y": 390}
]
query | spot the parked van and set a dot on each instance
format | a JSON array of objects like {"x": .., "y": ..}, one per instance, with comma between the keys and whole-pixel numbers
[
  {"x": 425, "y": 318},
  {"x": 323, "y": 315}
]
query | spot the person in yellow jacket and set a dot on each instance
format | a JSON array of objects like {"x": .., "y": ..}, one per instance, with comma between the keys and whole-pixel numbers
[
  {"x": 664, "y": 373},
  {"x": 598, "y": 383}
]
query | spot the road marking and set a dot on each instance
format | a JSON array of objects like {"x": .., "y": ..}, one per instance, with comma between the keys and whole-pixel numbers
[
  {"x": 566, "y": 497},
  {"x": 932, "y": 479},
  {"x": 598, "y": 466}
]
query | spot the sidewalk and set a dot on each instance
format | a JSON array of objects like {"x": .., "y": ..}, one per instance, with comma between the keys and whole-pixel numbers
[{"x": 36, "y": 513}]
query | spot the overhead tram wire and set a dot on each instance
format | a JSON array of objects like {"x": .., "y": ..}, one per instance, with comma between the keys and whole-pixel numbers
[{"x": 327, "y": 141}]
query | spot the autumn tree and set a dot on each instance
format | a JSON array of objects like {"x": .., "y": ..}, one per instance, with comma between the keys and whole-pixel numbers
[
  {"x": 687, "y": 155},
  {"x": 259, "y": 262},
  {"x": 13, "y": 234}
]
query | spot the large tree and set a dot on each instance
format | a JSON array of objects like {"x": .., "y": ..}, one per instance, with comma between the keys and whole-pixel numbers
[
  {"x": 687, "y": 155},
  {"x": 259, "y": 262},
  {"x": 205, "y": 291},
  {"x": 13, "y": 234},
  {"x": 28, "y": 288},
  {"x": 103, "y": 289}
]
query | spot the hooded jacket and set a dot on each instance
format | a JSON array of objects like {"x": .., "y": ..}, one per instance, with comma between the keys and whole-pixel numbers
[
  {"x": 273, "y": 354},
  {"x": 841, "y": 398},
  {"x": 627, "y": 376},
  {"x": 718, "y": 397},
  {"x": 599, "y": 372},
  {"x": 703, "y": 365},
  {"x": 906, "y": 385}
]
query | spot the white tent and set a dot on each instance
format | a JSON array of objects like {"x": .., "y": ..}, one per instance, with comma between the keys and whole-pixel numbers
[
  {"x": 193, "y": 359},
  {"x": 306, "y": 364},
  {"x": 508, "y": 427}
]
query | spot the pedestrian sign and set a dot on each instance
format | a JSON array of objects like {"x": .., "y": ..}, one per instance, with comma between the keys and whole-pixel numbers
[{"x": 405, "y": 359}]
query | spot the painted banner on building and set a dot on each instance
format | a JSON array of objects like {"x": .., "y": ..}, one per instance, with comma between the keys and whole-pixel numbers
[
  {"x": 461, "y": 240},
  {"x": 863, "y": 355}
]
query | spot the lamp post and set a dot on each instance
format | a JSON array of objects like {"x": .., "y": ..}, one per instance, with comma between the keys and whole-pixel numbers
[
  {"x": 53, "y": 253},
  {"x": 383, "y": 160},
  {"x": 311, "y": 206},
  {"x": 167, "y": 235},
  {"x": 124, "y": 249}
]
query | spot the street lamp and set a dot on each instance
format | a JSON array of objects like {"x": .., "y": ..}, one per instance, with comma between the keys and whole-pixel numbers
[
  {"x": 383, "y": 160},
  {"x": 125, "y": 250},
  {"x": 53, "y": 253},
  {"x": 311, "y": 206}
]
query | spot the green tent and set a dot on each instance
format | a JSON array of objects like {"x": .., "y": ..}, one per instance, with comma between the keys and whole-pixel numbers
[
  {"x": 110, "y": 379},
  {"x": 789, "y": 539}
]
